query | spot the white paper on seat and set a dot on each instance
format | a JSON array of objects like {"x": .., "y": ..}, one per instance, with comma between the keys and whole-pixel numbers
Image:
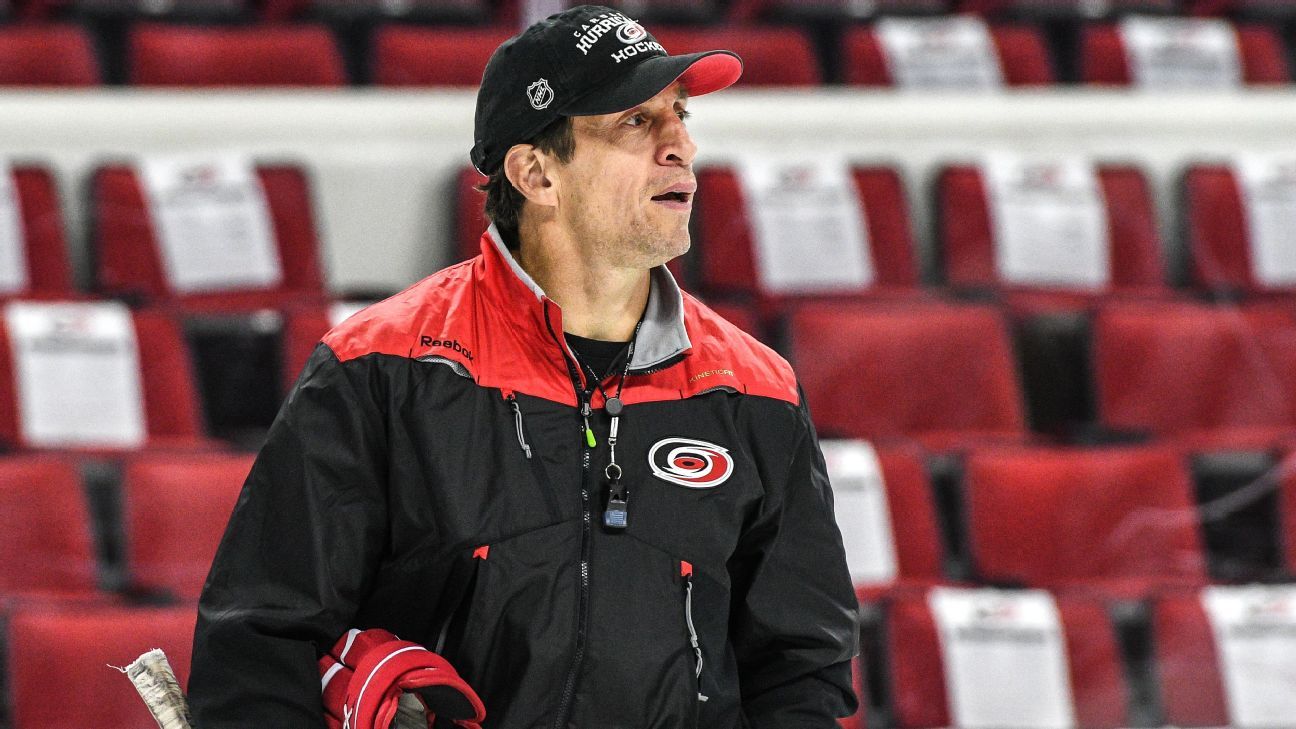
[
  {"x": 1255, "y": 632},
  {"x": 863, "y": 512},
  {"x": 1268, "y": 187},
  {"x": 954, "y": 53},
  {"x": 212, "y": 223},
  {"x": 1049, "y": 221},
  {"x": 807, "y": 225},
  {"x": 13, "y": 254},
  {"x": 1181, "y": 53},
  {"x": 77, "y": 368},
  {"x": 1005, "y": 658},
  {"x": 340, "y": 311}
]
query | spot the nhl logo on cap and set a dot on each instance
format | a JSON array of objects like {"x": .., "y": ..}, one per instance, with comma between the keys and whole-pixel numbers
[{"x": 540, "y": 94}]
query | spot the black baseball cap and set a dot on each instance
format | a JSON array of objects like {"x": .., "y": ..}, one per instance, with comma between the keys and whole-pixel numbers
[{"x": 586, "y": 60}]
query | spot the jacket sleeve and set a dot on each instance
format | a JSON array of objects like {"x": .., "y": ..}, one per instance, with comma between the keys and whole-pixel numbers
[
  {"x": 297, "y": 557},
  {"x": 795, "y": 625}
]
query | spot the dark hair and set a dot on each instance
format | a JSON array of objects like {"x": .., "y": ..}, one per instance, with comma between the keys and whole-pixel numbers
[{"x": 503, "y": 201}]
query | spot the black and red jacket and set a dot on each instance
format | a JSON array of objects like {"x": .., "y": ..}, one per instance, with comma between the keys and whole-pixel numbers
[{"x": 429, "y": 474}]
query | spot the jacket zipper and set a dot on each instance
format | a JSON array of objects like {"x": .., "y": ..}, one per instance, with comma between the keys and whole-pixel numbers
[
  {"x": 566, "y": 705},
  {"x": 686, "y": 571},
  {"x": 537, "y": 468}
]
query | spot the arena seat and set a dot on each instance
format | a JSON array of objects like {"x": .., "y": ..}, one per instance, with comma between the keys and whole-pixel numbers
[
  {"x": 80, "y": 646},
  {"x": 740, "y": 315},
  {"x": 1187, "y": 664},
  {"x": 407, "y": 55},
  {"x": 47, "y": 55},
  {"x": 748, "y": 11},
  {"x": 1068, "y": 9},
  {"x": 1210, "y": 377},
  {"x": 129, "y": 258},
  {"x": 171, "y": 412},
  {"x": 1260, "y": 51},
  {"x": 49, "y": 274},
  {"x": 173, "y": 55},
  {"x": 1120, "y": 520},
  {"x": 175, "y": 508},
  {"x": 46, "y": 532},
  {"x": 1020, "y": 49},
  {"x": 1287, "y": 512},
  {"x": 967, "y": 242},
  {"x": 1218, "y": 236},
  {"x": 941, "y": 374},
  {"x": 917, "y": 667},
  {"x": 771, "y": 56},
  {"x": 915, "y": 533},
  {"x": 726, "y": 248}
]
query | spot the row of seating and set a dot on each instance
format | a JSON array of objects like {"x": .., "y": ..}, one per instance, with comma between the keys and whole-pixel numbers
[
  {"x": 679, "y": 11},
  {"x": 1122, "y": 521},
  {"x": 1017, "y": 55},
  {"x": 1099, "y": 528},
  {"x": 1188, "y": 670},
  {"x": 1224, "y": 255},
  {"x": 946, "y": 375}
]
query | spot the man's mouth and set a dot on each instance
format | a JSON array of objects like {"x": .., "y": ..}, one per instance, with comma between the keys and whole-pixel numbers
[{"x": 682, "y": 197}]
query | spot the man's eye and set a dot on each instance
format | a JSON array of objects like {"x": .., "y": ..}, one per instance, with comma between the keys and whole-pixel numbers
[
  {"x": 685, "y": 114},
  {"x": 636, "y": 120}
]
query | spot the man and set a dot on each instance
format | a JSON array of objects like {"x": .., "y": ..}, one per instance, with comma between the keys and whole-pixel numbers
[{"x": 601, "y": 502}]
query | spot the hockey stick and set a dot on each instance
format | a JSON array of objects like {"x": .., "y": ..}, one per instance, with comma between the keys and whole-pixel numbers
[{"x": 157, "y": 685}]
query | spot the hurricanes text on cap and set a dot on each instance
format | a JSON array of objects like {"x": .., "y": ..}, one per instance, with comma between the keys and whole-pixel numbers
[{"x": 586, "y": 60}]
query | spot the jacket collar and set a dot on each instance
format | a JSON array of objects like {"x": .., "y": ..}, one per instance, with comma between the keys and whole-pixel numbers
[{"x": 662, "y": 337}]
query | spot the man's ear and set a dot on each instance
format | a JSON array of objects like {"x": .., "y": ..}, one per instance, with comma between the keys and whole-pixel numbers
[{"x": 525, "y": 166}]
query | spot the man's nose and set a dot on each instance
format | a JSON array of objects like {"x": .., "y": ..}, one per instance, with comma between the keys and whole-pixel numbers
[{"x": 677, "y": 148}]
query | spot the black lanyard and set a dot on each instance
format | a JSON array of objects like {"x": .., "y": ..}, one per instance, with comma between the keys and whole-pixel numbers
[{"x": 617, "y": 514}]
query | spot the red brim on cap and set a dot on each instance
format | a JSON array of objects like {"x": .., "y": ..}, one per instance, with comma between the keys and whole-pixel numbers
[
  {"x": 711, "y": 73},
  {"x": 699, "y": 73}
]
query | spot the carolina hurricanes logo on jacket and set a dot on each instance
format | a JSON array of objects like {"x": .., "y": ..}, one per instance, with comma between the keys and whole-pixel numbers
[{"x": 694, "y": 464}]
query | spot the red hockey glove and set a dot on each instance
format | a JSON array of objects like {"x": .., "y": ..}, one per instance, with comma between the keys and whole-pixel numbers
[{"x": 370, "y": 675}]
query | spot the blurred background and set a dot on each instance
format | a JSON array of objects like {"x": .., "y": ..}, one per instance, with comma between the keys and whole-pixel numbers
[{"x": 1033, "y": 260}]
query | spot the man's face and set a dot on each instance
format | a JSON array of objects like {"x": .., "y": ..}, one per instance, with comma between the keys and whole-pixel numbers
[{"x": 627, "y": 193}]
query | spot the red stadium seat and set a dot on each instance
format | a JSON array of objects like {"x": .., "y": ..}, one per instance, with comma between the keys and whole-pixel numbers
[
  {"x": 129, "y": 258},
  {"x": 175, "y": 509},
  {"x": 79, "y": 647},
  {"x": 966, "y": 232},
  {"x": 771, "y": 56},
  {"x": 1066, "y": 8},
  {"x": 45, "y": 530},
  {"x": 943, "y": 375},
  {"x": 405, "y": 55},
  {"x": 1218, "y": 235},
  {"x": 1187, "y": 664},
  {"x": 47, "y": 55},
  {"x": 49, "y": 274},
  {"x": 727, "y": 250},
  {"x": 918, "y": 684},
  {"x": 1023, "y": 57},
  {"x": 172, "y": 415},
  {"x": 303, "y": 328},
  {"x": 746, "y": 11},
  {"x": 162, "y": 55},
  {"x": 740, "y": 316},
  {"x": 917, "y": 540},
  {"x": 1209, "y": 376},
  {"x": 1120, "y": 520},
  {"x": 1287, "y": 512},
  {"x": 1260, "y": 49}
]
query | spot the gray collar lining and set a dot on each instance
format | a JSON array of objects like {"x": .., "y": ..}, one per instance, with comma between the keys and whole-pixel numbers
[{"x": 662, "y": 336}]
